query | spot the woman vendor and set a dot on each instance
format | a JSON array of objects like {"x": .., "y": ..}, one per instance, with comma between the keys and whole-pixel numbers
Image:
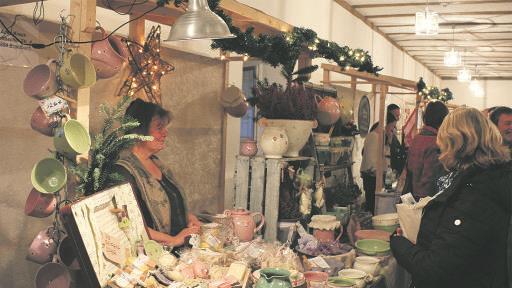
[{"x": 162, "y": 202}]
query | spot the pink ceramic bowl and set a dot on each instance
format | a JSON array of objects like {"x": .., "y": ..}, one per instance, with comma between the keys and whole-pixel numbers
[
  {"x": 372, "y": 234},
  {"x": 40, "y": 205}
]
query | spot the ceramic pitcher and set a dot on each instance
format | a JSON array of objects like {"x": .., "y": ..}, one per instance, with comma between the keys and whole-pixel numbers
[
  {"x": 328, "y": 110},
  {"x": 274, "y": 278},
  {"x": 244, "y": 224}
]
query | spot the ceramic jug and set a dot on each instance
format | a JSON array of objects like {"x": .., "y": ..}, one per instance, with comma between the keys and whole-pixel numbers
[
  {"x": 274, "y": 278},
  {"x": 248, "y": 147},
  {"x": 328, "y": 110},
  {"x": 274, "y": 142},
  {"x": 244, "y": 224}
]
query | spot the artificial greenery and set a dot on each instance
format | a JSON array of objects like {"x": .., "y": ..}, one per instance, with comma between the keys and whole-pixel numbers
[
  {"x": 99, "y": 173},
  {"x": 283, "y": 49},
  {"x": 433, "y": 93},
  {"x": 293, "y": 102}
]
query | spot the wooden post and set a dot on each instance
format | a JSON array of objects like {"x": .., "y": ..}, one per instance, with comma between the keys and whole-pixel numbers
[
  {"x": 374, "y": 94},
  {"x": 327, "y": 76},
  {"x": 83, "y": 25},
  {"x": 136, "y": 30},
  {"x": 380, "y": 131}
]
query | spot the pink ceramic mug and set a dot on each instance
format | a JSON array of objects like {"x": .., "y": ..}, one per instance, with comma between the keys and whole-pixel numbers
[
  {"x": 52, "y": 275},
  {"x": 237, "y": 111},
  {"x": 108, "y": 56},
  {"x": 40, "y": 205},
  {"x": 41, "y": 81},
  {"x": 44, "y": 124},
  {"x": 44, "y": 246}
]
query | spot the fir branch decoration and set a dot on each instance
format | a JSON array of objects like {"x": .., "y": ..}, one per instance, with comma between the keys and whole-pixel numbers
[
  {"x": 433, "y": 93},
  {"x": 107, "y": 145}
]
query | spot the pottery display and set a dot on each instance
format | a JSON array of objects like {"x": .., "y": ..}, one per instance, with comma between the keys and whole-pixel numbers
[
  {"x": 39, "y": 204},
  {"x": 274, "y": 142},
  {"x": 338, "y": 282},
  {"x": 324, "y": 226},
  {"x": 72, "y": 139},
  {"x": 43, "y": 247},
  {"x": 41, "y": 81},
  {"x": 386, "y": 222},
  {"x": 328, "y": 111},
  {"x": 108, "y": 56},
  {"x": 48, "y": 175},
  {"x": 244, "y": 224},
  {"x": 298, "y": 132},
  {"x": 367, "y": 264},
  {"x": 248, "y": 147},
  {"x": 42, "y": 123},
  {"x": 77, "y": 71},
  {"x": 355, "y": 275},
  {"x": 372, "y": 247},
  {"x": 274, "y": 278}
]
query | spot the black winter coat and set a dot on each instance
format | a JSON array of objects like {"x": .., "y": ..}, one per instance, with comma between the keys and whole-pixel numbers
[{"x": 462, "y": 241}]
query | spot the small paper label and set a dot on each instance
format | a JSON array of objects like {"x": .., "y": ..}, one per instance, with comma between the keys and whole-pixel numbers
[
  {"x": 53, "y": 105},
  {"x": 124, "y": 223},
  {"x": 319, "y": 262},
  {"x": 212, "y": 241},
  {"x": 112, "y": 248},
  {"x": 254, "y": 252}
]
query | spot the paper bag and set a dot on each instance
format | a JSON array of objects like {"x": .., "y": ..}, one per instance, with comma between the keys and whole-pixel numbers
[{"x": 410, "y": 218}]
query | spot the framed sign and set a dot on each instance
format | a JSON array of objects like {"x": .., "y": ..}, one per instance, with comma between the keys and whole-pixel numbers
[{"x": 363, "y": 116}]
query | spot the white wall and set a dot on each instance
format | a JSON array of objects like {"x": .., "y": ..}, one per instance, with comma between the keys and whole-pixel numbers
[{"x": 497, "y": 93}]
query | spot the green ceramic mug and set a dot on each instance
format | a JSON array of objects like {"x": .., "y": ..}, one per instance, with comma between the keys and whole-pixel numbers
[
  {"x": 48, "y": 175},
  {"x": 72, "y": 139},
  {"x": 77, "y": 71},
  {"x": 274, "y": 278}
]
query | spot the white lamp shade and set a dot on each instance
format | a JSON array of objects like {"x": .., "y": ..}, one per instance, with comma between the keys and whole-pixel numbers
[
  {"x": 452, "y": 58},
  {"x": 464, "y": 75},
  {"x": 427, "y": 23}
]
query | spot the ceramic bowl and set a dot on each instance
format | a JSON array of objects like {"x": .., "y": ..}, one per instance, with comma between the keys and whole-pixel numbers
[
  {"x": 385, "y": 219},
  {"x": 372, "y": 246},
  {"x": 338, "y": 282},
  {"x": 322, "y": 139},
  {"x": 372, "y": 234},
  {"x": 386, "y": 228},
  {"x": 353, "y": 274},
  {"x": 367, "y": 264}
]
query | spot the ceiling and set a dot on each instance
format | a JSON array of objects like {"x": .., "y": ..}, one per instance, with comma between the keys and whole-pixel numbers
[{"x": 483, "y": 29}]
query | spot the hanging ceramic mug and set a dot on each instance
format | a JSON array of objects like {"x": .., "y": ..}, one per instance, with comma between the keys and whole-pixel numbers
[
  {"x": 109, "y": 55},
  {"x": 238, "y": 110},
  {"x": 52, "y": 275},
  {"x": 44, "y": 246},
  {"x": 77, "y": 70},
  {"x": 66, "y": 253},
  {"x": 44, "y": 124},
  {"x": 48, "y": 175},
  {"x": 71, "y": 139},
  {"x": 41, "y": 81},
  {"x": 40, "y": 205}
]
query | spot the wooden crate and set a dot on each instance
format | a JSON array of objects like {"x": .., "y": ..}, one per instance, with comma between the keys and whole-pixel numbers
[{"x": 257, "y": 182}]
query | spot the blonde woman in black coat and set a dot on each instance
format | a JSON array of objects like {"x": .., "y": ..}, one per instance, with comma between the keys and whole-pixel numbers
[{"x": 462, "y": 241}]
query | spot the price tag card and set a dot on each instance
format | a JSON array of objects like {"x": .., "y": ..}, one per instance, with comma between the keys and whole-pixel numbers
[
  {"x": 319, "y": 262},
  {"x": 53, "y": 105}
]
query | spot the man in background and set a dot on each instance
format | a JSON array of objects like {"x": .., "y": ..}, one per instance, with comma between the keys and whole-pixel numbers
[
  {"x": 398, "y": 154},
  {"x": 502, "y": 118}
]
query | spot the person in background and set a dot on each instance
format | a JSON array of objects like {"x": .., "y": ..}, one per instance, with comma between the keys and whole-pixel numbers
[
  {"x": 162, "y": 203},
  {"x": 398, "y": 154},
  {"x": 370, "y": 156},
  {"x": 502, "y": 118},
  {"x": 462, "y": 238},
  {"x": 423, "y": 166}
]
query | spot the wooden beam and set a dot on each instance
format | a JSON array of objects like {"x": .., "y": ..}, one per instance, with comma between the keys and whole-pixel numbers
[
  {"x": 450, "y": 39},
  {"x": 508, "y": 78},
  {"x": 447, "y": 24},
  {"x": 349, "y": 8},
  {"x": 380, "y": 79},
  {"x": 136, "y": 30},
  {"x": 380, "y": 146},
  {"x": 387, "y": 5},
  {"x": 83, "y": 24},
  {"x": 458, "y": 32},
  {"x": 346, "y": 82},
  {"x": 4, "y": 3},
  {"x": 473, "y": 13}
]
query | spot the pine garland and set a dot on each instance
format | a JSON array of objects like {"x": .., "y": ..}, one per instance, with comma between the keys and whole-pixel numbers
[
  {"x": 106, "y": 147},
  {"x": 433, "y": 93}
]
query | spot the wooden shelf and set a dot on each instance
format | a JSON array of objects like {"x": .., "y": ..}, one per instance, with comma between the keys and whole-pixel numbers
[
  {"x": 325, "y": 168},
  {"x": 284, "y": 159}
]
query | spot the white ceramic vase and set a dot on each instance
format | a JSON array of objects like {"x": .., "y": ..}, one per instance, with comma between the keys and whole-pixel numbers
[
  {"x": 274, "y": 142},
  {"x": 298, "y": 132}
]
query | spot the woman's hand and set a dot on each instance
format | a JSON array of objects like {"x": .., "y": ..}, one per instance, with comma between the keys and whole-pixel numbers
[
  {"x": 193, "y": 221},
  {"x": 181, "y": 237}
]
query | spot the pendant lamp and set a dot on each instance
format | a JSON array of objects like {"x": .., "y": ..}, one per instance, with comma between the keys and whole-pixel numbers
[
  {"x": 427, "y": 22},
  {"x": 199, "y": 22},
  {"x": 453, "y": 57}
]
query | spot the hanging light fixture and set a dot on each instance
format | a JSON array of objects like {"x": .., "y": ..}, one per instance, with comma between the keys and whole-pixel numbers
[
  {"x": 427, "y": 22},
  {"x": 199, "y": 22},
  {"x": 452, "y": 58},
  {"x": 464, "y": 75},
  {"x": 475, "y": 86}
]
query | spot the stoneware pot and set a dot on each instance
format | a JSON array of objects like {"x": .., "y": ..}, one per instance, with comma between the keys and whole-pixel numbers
[
  {"x": 41, "y": 81},
  {"x": 274, "y": 142},
  {"x": 248, "y": 147},
  {"x": 48, "y": 175},
  {"x": 328, "y": 111},
  {"x": 244, "y": 224},
  {"x": 274, "y": 278},
  {"x": 72, "y": 139},
  {"x": 327, "y": 235},
  {"x": 77, "y": 71},
  {"x": 43, "y": 247},
  {"x": 322, "y": 139},
  {"x": 52, "y": 275},
  {"x": 298, "y": 132},
  {"x": 66, "y": 253},
  {"x": 355, "y": 275},
  {"x": 42, "y": 123},
  {"x": 108, "y": 56},
  {"x": 40, "y": 205},
  {"x": 238, "y": 110},
  {"x": 367, "y": 264}
]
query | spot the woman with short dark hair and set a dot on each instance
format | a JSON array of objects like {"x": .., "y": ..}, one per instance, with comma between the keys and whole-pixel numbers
[{"x": 162, "y": 203}]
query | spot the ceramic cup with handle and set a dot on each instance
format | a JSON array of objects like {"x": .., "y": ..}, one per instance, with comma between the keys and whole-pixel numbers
[
  {"x": 52, "y": 275},
  {"x": 39, "y": 204},
  {"x": 48, "y": 175},
  {"x": 44, "y": 246},
  {"x": 44, "y": 124},
  {"x": 77, "y": 71},
  {"x": 66, "y": 253},
  {"x": 108, "y": 56},
  {"x": 41, "y": 81},
  {"x": 71, "y": 139}
]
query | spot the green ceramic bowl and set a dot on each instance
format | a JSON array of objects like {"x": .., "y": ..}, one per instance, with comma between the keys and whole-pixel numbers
[
  {"x": 372, "y": 246},
  {"x": 339, "y": 282},
  {"x": 48, "y": 175},
  {"x": 387, "y": 228}
]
